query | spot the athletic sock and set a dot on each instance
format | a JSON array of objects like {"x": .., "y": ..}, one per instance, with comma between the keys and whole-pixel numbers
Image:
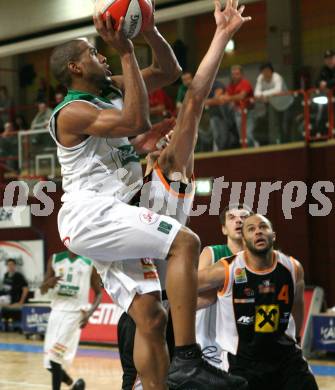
[
  {"x": 66, "y": 378},
  {"x": 187, "y": 351},
  {"x": 56, "y": 372}
]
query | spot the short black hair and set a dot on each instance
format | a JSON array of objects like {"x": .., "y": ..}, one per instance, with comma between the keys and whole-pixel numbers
[
  {"x": 266, "y": 65},
  {"x": 240, "y": 206},
  {"x": 60, "y": 58},
  {"x": 10, "y": 260},
  {"x": 257, "y": 214}
]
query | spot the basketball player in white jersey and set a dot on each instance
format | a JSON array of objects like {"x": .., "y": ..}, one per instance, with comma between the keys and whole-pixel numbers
[
  {"x": 70, "y": 276},
  {"x": 101, "y": 174},
  {"x": 168, "y": 189},
  {"x": 260, "y": 310},
  {"x": 231, "y": 219}
]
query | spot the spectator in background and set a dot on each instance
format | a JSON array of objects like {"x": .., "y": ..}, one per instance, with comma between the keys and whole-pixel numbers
[
  {"x": 161, "y": 106},
  {"x": 14, "y": 291},
  {"x": 20, "y": 122},
  {"x": 221, "y": 119},
  {"x": 6, "y": 106},
  {"x": 186, "y": 79},
  {"x": 326, "y": 77},
  {"x": 8, "y": 145},
  {"x": 41, "y": 119},
  {"x": 270, "y": 83},
  {"x": 240, "y": 94}
]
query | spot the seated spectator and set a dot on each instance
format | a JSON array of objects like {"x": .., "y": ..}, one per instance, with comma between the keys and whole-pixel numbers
[
  {"x": 161, "y": 106},
  {"x": 326, "y": 77},
  {"x": 6, "y": 106},
  {"x": 41, "y": 119},
  {"x": 20, "y": 122},
  {"x": 40, "y": 122},
  {"x": 221, "y": 119},
  {"x": 240, "y": 93},
  {"x": 8, "y": 146},
  {"x": 186, "y": 79},
  {"x": 270, "y": 83}
]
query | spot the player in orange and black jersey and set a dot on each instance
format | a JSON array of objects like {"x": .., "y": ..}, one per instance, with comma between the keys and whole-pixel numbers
[{"x": 260, "y": 308}]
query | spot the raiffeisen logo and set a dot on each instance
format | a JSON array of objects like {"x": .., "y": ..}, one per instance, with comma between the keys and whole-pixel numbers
[{"x": 105, "y": 314}]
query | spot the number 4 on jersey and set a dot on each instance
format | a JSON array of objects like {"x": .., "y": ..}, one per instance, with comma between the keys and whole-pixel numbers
[{"x": 283, "y": 295}]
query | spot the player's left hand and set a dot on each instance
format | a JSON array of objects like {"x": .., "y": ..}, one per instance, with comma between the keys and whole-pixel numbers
[
  {"x": 147, "y": 143},
  {"x": 151, "y": 24},
  {"x": 230, "y": 19},
  {"x": 85, "y": 315}
]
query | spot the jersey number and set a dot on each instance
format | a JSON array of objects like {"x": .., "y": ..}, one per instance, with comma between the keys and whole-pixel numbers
[{"x": 283, "y": 295}]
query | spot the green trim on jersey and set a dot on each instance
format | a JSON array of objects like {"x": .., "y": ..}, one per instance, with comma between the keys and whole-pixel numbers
[
  {"x": 86, "y": 260},
  {"x": 220, "y": 251},
  {"x": 73, "y": 95},
  {"x": 58, "y": 257}
]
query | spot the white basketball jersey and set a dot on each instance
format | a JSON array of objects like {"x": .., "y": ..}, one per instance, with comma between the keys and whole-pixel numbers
[
  {"x": 97, "y": 166},
  {"x": 239, "y": 278},
  {"x": 72, "y": 291},
  {"x": 166, "y": 198}
]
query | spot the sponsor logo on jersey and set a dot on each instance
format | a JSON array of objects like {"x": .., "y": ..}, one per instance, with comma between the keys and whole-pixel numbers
[
  {"x": 240, "y": 275},
  {"x": 66, "y": 241},
  {"x": 127, "y": 154},
  {"x": 266, "y": 287},
  {"x": 148, "y": 217},
  {"x": 267, "y": 318},
  {"x": 164, "y": 227},
  {"x": 245, "y": 320},
  {"x": 249, "y": 292},
  {"x": 149, "y": 269}
]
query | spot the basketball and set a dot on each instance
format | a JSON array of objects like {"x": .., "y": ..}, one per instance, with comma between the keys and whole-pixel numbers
[{"x": 136, "y": 13}]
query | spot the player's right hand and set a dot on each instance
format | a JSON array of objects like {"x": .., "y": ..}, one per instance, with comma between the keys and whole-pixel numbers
[
  {"x": 53, "y": 281},
  {"x": 116, "y": 39}
]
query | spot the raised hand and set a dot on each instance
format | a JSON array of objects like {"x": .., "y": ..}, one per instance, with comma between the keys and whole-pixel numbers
[
  {"x": 115, "y": 38},
  {"x": 146, "y": 143},
  {"x": 151, "y": 24},
  {"x": 230, "y": 19}
]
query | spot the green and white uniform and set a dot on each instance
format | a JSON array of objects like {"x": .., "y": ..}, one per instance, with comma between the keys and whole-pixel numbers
[
  {"x": 206, "y": 318},
  {"x": 100, "y": 177},
  {"x": 70, "y": 296}
]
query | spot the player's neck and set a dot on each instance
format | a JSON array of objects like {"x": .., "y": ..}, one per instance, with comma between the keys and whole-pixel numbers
[
  {"x": 259, "y": 262},
  {"x": 85, "y": 87},
  {"x": 234, "y": 246}
]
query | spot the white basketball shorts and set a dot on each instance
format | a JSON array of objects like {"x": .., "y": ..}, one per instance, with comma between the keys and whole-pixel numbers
[
  {"x": 107, "y": 230},
  {"x": 62, "y": 337},
  {"x": 122, "y": 280}
]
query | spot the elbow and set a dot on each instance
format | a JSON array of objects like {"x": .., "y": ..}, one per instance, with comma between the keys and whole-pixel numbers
[
  {"x": 176, "y": 73},
  {"x": 142, "y": 126}
]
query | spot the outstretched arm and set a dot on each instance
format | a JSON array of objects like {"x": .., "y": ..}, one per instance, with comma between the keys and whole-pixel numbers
[
  {"x": 212, "y": 277},
  {"x": 180, "y": 151}
]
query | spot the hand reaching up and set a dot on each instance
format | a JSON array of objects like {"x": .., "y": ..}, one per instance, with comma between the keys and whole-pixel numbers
[{"x": 230, "y": 18}]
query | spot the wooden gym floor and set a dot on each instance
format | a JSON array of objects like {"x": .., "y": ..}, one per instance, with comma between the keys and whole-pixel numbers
[{"x": 21, "y": 363}]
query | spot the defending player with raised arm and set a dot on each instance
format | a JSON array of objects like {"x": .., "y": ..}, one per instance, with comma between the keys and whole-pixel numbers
[
  {"x": 260, "y": 309},
  {"x": 175, "y": 164}
]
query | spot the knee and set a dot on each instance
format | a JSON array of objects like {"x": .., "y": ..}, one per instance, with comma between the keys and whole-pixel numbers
[
  {"x": 188, "y": 242},
  {"x": 155, "y": 322}
]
